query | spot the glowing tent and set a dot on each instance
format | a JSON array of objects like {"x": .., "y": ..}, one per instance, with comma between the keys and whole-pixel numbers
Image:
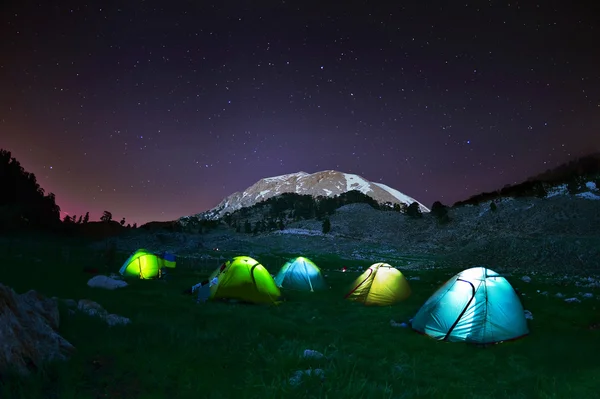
[
  {"x": 477, "y": 305},
  {"x": 300, "y": 274},
  {"x": 144, "y": 264},
  {"x": 244, "y": 279},
  {"x": 381, "y": 284}
]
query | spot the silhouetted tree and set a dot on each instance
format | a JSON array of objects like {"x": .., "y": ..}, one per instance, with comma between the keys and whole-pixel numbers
[
  {"x": 440, "y": 212},
  {"x": 86, "y": 218},
  {"x": 413, "y": 211},
  {"x": 80, "y": 220},
  {"x": 326, "y": 225},
  {"x": 67, "y": 219},
  {"x": 400, "y": 208},
  {"x": 134, "y": 226},
  {"x": 122, "y": 222},
  {"x": 106, "y": 216},
  {"x": 23, "y": 203}
]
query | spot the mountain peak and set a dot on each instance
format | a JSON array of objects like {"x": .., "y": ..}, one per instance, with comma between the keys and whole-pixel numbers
[{"x": 326, "y": 183}]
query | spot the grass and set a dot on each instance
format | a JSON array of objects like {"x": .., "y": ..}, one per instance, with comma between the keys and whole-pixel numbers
[{"x": 176, "y": 348}]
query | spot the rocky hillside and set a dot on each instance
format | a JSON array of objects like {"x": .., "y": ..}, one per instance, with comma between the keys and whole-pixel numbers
[{"x": 557, "y": 234}]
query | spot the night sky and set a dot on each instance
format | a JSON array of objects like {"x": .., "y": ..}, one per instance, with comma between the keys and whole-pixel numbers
[{"x": 157, "y": 109}]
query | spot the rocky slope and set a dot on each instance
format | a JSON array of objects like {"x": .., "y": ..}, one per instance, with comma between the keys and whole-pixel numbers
[
  {"x": 557, "y": 234},
  {"x": 327, "y": 183}
]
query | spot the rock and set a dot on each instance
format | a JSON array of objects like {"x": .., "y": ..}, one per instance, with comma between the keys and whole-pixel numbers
[
  {"x": 394, "y": 323},
  {"x": 28, "y": 331},
  {"x": 105, "y": 282},
  {"x": 312, "y": 354},
  {"x": 299, "y": 375},
  {"x": 115, "y": 319},
  {"x": 92, "y": 308},
  {"x": 71, "y": 303},
  {"x": 526, "y": 279}
]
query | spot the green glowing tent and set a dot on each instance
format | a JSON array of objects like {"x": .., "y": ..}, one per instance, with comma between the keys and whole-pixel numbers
[
  {"x": 300, "y": 274},
  {"x": 244, "y": 279},
  {"x": 146, "y": 265},
  {"x": 477, "y": 306}
]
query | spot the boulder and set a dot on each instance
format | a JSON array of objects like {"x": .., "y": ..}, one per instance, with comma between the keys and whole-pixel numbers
[
  {"x": 29, "y": 331},
  {"x": 105, "y": 282}
]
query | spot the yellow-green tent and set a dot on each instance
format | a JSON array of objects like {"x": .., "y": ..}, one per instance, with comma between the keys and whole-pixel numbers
[
  {"x": 144, "y": 264},
  {"x": 244, "y": 279},
  {"x": 381, "y": 285}
]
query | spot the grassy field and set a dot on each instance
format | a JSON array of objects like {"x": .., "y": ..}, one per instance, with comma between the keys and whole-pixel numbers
[{"x": 176, "y": 348}]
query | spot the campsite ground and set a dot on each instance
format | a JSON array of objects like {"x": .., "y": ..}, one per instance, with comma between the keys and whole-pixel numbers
[{"x": 176, "y": 348}]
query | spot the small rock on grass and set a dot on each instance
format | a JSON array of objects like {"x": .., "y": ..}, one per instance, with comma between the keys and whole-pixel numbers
[{"x": 299, "y": 375}]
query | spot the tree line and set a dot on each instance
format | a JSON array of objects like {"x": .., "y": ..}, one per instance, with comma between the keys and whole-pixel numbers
[{"x": 24, "y": 204}]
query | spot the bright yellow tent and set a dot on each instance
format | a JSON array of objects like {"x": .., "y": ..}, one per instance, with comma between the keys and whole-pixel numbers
[
  {"x": 380, "y": 285},
  {"x": 244, "y": 279}
]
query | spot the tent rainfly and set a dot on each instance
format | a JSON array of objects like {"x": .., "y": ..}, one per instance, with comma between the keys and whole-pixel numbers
[
  {"x": 380, "y": 285},
  {"x": 300, "y": 274},
  {"x": 244, "y": 279},
  {"x": 477, "y": 306}
]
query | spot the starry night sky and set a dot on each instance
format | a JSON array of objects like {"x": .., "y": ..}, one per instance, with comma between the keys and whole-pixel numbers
[{"x": 157, "y": 109}]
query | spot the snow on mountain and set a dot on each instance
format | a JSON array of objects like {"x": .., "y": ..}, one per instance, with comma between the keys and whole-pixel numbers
[{"x": 328, "y": 183}]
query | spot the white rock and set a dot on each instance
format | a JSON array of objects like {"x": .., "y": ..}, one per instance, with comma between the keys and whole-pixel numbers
[
  {"x": 527, "y": 279},
  {"x": 105, "y": 282}
]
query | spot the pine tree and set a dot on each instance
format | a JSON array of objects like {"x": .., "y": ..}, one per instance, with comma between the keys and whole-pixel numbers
[
  {"x": 326, "y": 226},
  {"x": 106, "y": 216}
]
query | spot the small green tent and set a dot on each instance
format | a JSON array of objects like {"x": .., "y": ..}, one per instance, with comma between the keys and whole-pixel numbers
[
  {"x": 477, "y": 305},
  {"x": 300, "y": 274},
  {"x": 146, "y": 265},
  {"x": 244, "y": 279}
]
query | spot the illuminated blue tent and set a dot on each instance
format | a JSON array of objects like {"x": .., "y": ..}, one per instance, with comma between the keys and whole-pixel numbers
[
  {"x": 300, "y": 274},
  {"x": 476, "y": 306}
]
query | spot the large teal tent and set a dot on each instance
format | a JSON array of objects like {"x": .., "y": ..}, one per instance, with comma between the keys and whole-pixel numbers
[
  {"x": 477, "y": 306},
  {"x": 300, "y": 274}
]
